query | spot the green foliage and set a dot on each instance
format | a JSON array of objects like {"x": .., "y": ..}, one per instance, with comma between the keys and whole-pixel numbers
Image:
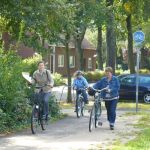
[
  {"x": 14, "y": 107},
  {"x": 94, "y": 76},
  {"x": 58, "y": 79},
  {"x": 54, "y": 107},
  {"x": 30, "y": 64},
  {"x": 144, "y": 71}
]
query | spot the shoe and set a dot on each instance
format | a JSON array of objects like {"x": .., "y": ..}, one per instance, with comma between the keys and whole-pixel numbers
[{"x": 111, "y": 127}]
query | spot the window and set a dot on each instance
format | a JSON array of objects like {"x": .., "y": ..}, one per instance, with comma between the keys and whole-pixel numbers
[
  {"x": 144, "y": 79},
  {"x": 130, "y": 80},
  {"x": 72, "y": 61},
  {"x": 89, "y": 63},
  {"x": 60, "y": 60}
]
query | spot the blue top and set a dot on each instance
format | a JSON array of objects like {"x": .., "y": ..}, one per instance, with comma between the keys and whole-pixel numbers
[
  {"x": 113, "y": 84},
  {"x": 80, "y": 82}
]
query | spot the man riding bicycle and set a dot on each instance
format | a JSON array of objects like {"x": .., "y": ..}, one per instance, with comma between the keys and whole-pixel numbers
[
  {"x": 80, "y": 84},
  {"x": 42, "y": 78}
]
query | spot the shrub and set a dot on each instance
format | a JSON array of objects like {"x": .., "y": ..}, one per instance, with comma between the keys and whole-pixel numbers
[
  {"x": 54, "y": 107},
  {"x": 94, "y": 76},
  {"x": 58, "y": 79},
  {"x": 144, "y": 71},
  {"x": 12, "y": 88}
]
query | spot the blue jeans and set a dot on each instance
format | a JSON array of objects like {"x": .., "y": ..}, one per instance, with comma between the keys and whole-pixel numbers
[
  {"x": 45, "y": 98},
  {"x": 46, "y": 105},
  {"x": 111, "y": 110}
]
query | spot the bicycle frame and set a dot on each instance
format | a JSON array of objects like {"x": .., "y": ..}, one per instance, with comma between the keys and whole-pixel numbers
[
  {"x": 96, "y": 110},
  {"x": 37, "y": 113}
]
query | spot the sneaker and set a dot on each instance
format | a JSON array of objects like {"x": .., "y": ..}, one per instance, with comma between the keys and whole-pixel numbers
[{"x": 111, "y": 127}]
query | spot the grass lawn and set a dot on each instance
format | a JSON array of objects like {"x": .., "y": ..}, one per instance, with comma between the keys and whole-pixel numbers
[{"x": 142, "y": 140}]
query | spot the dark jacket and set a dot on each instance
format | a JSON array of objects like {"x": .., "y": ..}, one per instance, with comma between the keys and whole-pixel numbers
[{"x": 113, "y": 84}]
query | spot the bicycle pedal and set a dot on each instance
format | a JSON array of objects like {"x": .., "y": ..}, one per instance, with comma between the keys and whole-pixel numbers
[
  {"x": 99, "y": 123},
  {"x": 89, "y": 110}
]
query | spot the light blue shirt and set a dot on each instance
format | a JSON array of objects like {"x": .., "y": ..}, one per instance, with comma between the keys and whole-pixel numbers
[{"x": 80, "y": 82}]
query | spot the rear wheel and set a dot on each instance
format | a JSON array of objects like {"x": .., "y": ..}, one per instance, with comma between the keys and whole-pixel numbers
[
  {"x": 43, "y": 123},
  {"x": 35, "y": 120},
  {"x": 146, "y": 98},
  {"x": 92, "y": 119}
]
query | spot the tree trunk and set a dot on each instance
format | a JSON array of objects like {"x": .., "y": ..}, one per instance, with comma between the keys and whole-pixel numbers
[
  {"x": 69, "y": 97},
  {"x": 130, "y": 45},
  {"x": 110, "y": 38},
  {"x": 80, "y": 51},
  {"x": 99, "y": 49}
]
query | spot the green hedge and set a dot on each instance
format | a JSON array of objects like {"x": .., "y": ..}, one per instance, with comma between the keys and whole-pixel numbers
[{"x": 93, "y": 76}]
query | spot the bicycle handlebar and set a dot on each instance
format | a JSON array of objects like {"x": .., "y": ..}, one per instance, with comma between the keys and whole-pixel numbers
[
  {"x": 99, "y": 91},
  {"x": 40, "y": 87}
]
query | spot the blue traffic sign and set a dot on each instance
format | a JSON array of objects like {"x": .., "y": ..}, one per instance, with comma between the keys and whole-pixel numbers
[{"x": 138, "y": 36}]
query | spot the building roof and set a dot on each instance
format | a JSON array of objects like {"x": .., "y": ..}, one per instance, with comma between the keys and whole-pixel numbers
[{"x": 85, "y": 44}]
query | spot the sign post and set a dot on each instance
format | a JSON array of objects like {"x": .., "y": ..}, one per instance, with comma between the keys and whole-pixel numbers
[{"x": 138, "y": 38}]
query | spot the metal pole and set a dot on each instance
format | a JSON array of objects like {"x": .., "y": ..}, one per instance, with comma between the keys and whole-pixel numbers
[
  {"x": 54, "y": 55},
  {"x": 137, "y": 77}
]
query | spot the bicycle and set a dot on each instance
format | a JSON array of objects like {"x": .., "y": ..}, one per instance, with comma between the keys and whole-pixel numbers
[
  {"x": 95, "y": 114},
  {"x": 37, "y": 117},
  {"x": 80, "y": 103}
]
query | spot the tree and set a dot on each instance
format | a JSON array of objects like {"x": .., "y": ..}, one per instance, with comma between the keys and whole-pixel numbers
[
  {"x": 110, "y": 35},
  {"x": 99, "y": 19}
]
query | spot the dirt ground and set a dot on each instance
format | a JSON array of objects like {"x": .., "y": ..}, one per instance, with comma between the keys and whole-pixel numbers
[{"x": 71, "y": 133}]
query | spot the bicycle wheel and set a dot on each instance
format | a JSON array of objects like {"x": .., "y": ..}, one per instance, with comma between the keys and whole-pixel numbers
[
  {"x": 98, "y": 112},
  {"x": 82, "y": 108},
  {"x": 34, "y": 119},
  {"x": 43, "y": 123},
  {"x": 78, "y": 107},
  {"x": 92, "y": 119}
]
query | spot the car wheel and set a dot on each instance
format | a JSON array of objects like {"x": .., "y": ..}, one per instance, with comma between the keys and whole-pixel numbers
[{"x": 147, "y": 98}]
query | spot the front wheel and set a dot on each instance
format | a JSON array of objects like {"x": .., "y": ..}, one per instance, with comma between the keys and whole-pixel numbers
[
  {"x": 34, "y": 119},
  {"x": 79, "y": 107},
  {"x": 92, "y": 119},
  {"x": 146, "y": 98},
  {"x": 98, "y": 112}
]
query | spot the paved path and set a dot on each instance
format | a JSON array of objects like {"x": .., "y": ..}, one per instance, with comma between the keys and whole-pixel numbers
[{"x": 69, "y": 133}]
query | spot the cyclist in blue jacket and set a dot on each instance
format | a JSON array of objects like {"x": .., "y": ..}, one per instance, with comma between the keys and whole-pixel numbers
[
  {"x": 80, "y": 84},
  {"x": 111, "y": 95}
]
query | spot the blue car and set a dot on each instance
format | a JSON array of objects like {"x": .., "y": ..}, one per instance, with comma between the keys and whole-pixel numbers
[{"x": 128, "y": 87}]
